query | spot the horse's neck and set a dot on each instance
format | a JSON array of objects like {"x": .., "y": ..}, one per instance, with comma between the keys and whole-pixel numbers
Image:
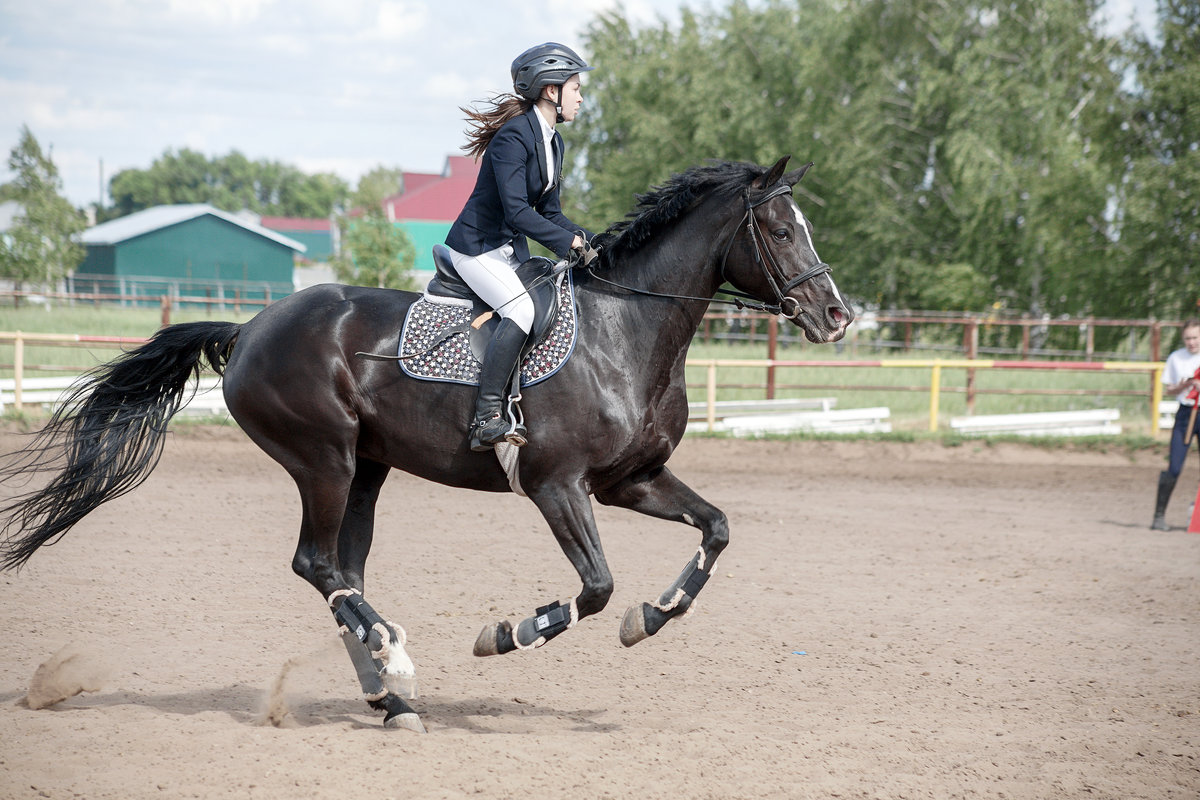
[
  {"x": 680, "y": 262},
  {"x": 659, "y": 329}
]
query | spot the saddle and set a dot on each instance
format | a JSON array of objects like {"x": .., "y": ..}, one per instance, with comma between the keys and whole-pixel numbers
[
  {"x": 537, "y": 275},
  {"x": 446, "y": 332}
]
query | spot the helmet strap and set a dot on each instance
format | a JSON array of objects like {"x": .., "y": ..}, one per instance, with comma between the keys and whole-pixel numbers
[{"x": 558, "y": 105}]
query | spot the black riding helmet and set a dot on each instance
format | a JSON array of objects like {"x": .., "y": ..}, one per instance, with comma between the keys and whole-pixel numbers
[{"x": 549, "y": 64}]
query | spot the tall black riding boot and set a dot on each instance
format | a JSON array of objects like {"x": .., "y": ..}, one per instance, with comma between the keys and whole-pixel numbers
[
  {"x": 490, "y": 424},
  {"x": 1166, "y": 485}
]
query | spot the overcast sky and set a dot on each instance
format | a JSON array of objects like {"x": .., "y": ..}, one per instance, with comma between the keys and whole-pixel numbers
[{"x": 325, "y": 85}]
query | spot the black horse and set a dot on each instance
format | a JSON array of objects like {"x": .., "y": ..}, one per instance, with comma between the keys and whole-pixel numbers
[{"x": 605, "y": 425}]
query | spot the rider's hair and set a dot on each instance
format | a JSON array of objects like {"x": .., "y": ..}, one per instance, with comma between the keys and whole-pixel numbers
[
  {"x": 482, "y": 124},
  {"x": 1190, "y": 323}
]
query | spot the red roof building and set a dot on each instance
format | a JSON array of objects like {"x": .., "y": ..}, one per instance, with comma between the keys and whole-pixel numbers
[
  {"x": 434, "y": 198},
  {"x": 429, "y": 205},
  {"x": 425, "y": 210}
]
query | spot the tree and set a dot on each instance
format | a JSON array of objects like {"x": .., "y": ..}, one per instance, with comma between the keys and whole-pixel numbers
[
  {"x": 1158, "y": 223},
  {"x": 40, "y": 246},
  {"x": 953, "y": 143},
  {"x": 1025, "y": 150},
  {"x": 231, "y": 182},
  {"x": 377, "y": 185},
  {"x": 375, "y": 252}
]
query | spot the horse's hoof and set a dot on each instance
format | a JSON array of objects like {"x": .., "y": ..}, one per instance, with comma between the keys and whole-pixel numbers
[
  {"x": 493, "y": 638},
  {"x": 409, "y": 721},
  {"x": 633, "y": 625}
]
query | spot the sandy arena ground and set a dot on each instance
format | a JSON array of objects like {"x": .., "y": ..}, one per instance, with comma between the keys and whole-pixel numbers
[{"x": 889, "y": 621}]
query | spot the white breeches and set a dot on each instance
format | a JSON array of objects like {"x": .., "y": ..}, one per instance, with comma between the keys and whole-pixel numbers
[{"x": 491, "y": 275}]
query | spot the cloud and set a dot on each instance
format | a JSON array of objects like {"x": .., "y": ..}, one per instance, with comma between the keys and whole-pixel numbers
[
  {"x": 217, "y": 12},
  {"x": 54, "y": 107},
  {"x": 398, "y": 20},
  {"x": 348, "y": 167}
]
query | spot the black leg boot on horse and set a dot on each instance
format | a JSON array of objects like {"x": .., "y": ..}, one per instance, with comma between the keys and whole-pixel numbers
[{"x": 491, "y": 425}]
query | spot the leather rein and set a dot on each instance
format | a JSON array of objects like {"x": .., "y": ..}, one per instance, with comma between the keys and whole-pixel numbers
[{"x": 754, "y": 232}]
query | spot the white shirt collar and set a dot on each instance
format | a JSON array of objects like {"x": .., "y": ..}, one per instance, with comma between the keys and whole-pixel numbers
[
  {"x": 547, "y": 140},
  {"x": 547, "y": 131}
]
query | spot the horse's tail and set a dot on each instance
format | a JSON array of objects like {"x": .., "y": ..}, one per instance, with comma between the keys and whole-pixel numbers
[{"x": 107, "y": 436}]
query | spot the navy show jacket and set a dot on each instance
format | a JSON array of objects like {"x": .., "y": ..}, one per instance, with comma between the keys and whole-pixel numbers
[{"x": 508, "y": 204}]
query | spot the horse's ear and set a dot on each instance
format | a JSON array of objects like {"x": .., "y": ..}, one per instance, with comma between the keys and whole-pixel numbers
[
  {"x": 793, "y": 177},
  {"x": 773, "y": 175}
]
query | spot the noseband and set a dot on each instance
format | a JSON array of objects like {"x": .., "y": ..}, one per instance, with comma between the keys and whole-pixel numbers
[{"x": 755, "y": 234}]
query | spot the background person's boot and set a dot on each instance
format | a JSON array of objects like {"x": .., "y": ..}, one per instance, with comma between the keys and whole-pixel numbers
[{"x": 1166, "y": 484}]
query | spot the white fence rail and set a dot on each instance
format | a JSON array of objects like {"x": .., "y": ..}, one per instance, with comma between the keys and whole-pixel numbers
[
  {"x": 845, "y": 420},
  {"x": 725, "y": 408},
  {"x": 209, "y": 400},
  {"x": 1166, "y": 414},
  {"x": 1094, "y": 422}
]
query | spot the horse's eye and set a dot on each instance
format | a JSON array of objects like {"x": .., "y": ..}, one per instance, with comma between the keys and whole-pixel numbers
[{"x": 781, "y": 234}]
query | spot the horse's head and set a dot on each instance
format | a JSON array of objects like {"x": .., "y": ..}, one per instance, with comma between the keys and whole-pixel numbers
[{"x": 771, "y": 256}]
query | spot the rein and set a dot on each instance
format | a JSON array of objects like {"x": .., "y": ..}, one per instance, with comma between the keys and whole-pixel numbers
[{"x": 760, "y": 248}]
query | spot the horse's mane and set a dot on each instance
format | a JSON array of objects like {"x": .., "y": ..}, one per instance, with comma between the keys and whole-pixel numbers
[{"x": 664, "y": 204}]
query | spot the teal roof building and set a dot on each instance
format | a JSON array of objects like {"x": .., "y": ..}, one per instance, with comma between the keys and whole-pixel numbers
[{"x": 192, "y": 246}]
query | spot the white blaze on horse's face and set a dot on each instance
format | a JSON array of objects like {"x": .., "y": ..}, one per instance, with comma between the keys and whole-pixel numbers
[{"x": 803, "y": 224}]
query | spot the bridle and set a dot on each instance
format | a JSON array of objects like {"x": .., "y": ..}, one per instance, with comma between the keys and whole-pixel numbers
[{"x": 755, "y": 234}]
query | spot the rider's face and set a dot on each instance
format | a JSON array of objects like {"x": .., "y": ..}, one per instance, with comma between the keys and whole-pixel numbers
[{"x": 572, "y": 97}]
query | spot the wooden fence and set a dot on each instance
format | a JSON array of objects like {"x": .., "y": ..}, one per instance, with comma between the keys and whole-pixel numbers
[
  {"x": 901, "y": 331},
  {"x": 933, "y": 386}
]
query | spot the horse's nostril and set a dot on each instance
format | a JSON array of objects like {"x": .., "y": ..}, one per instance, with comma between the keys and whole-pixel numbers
[{"x": 836, "y": 315}]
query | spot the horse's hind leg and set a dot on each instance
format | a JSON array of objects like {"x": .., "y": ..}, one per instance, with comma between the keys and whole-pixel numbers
[
  {"x": 335, "y": 537},
  {"x": 658, "y": 493}
]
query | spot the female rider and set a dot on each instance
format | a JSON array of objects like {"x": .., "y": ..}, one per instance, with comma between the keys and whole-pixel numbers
[{"x": 516, "y": 196}]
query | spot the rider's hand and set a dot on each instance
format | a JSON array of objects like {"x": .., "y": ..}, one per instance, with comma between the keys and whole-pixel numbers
[{"x": 582, "y": 253}]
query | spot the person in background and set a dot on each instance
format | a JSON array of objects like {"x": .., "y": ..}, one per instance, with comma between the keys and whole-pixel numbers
[
  {"x": 516, "y": 196},
  {"x": 1179, "y": 379}
]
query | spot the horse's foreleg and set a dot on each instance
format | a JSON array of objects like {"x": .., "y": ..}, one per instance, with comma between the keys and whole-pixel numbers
[
  {"x": 569, "y": 513},
  {"x": 376, "y": 648},
  {"x": 335, "y": 538},
  {"x": 660, "y": 494}
]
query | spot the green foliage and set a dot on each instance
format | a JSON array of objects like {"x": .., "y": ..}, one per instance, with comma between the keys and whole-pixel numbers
[
  {"x": 1159, "y": 228},
  {"x": 40, "y": 246},
  {"x": 964, "y": 154},
  {"x": 377, "y": 185},
  {"x": 954, "y": 286},
  {"x": 375, "y": 252},
  {"x": 231, "y": 183}
]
